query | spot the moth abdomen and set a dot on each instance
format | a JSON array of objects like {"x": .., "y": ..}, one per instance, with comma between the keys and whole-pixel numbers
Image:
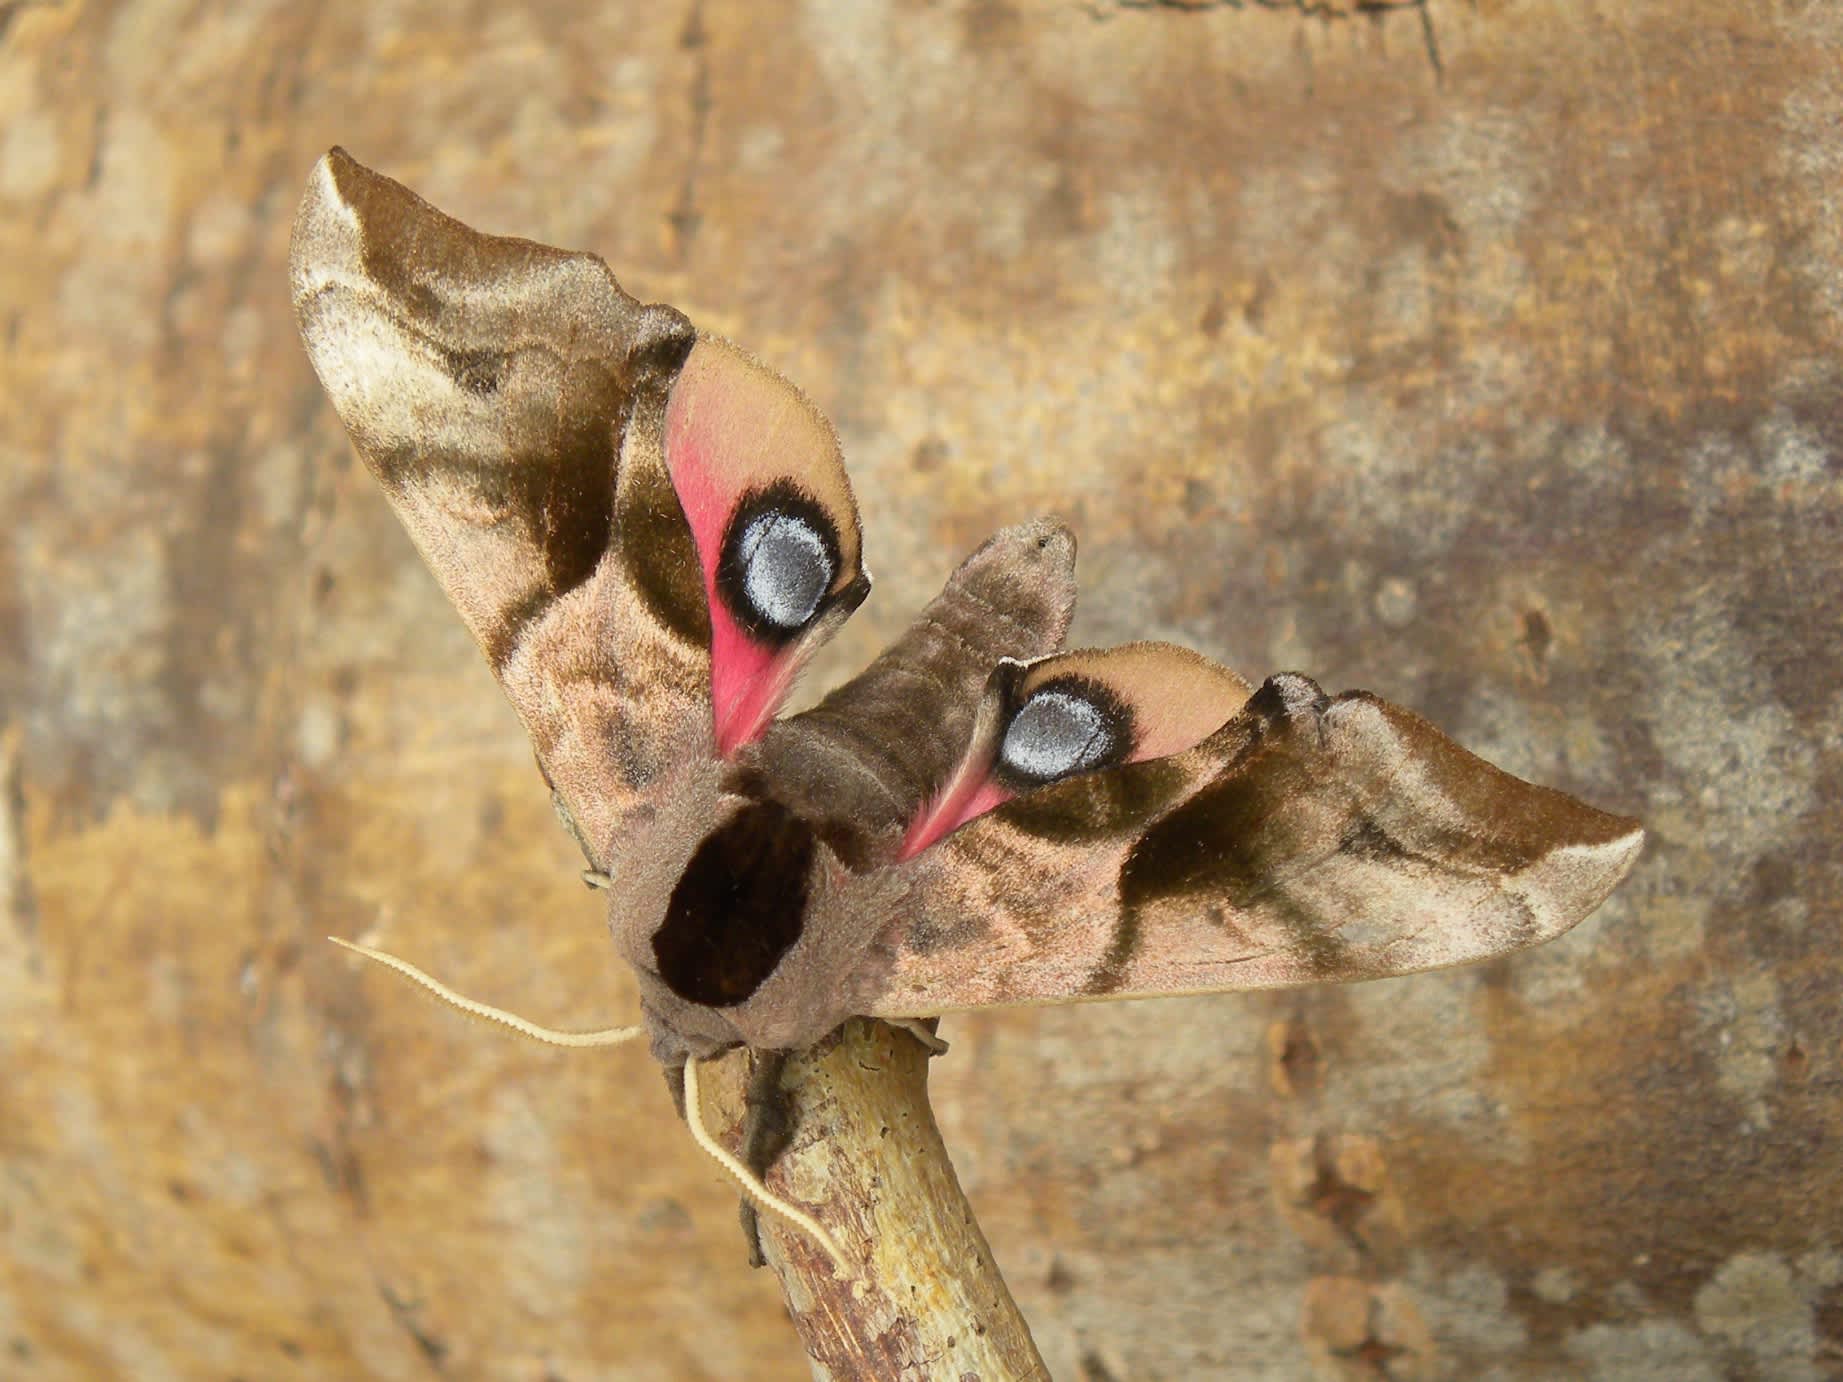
[{"x": 739, "y": 906}]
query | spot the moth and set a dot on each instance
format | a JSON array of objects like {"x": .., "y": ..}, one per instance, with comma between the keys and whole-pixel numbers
[{"x": 649, "y": 533}]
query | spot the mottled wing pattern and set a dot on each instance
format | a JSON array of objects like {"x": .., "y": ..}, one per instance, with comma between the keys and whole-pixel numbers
[
  {"x": 628, "y": 515},
  {"x": 1307, "y": 840},
  {"x": 501, "y": 392},
  {"x": 649, "y": 533}
]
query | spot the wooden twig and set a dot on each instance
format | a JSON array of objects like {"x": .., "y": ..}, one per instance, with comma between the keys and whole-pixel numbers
[{"x": 867, "y": 1161}]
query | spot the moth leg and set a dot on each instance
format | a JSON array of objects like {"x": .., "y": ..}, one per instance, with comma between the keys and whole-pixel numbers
[
  {"x": 766, "y": 1131},
  {"x": 562, "y": 809},
  {"x": 750, "y": 1184},
  {"x": 918, "y": 1028},
  {"x": 595, "y": 878},
  {"x": 675, "y": 1086},
  {"x": 609, "y": 1036}
]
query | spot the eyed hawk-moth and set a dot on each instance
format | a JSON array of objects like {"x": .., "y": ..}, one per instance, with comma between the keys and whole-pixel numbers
[{"x": 649, "y": 533}]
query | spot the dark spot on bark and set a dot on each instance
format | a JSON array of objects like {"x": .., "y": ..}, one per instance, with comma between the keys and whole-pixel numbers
[
  {"x": 988, "y": 23},
  {"x": 1335, "y": 1199},
  {"x": 1067, "y": 208},
  {"x": 1215, "y": 316},
  {"x": 342, "y": 1171},
  {"x": 432, "y": 1348},
  {"x": 1426, "y": 218},
  {"x": 1254, "y": 310},
  {"x": 1796, "y": 1061},
  {"x": 1828, "y": 1319},
  {"x": 1774, "y": 877},
  {"x": 1373, "y": 1355},
  {"x": 928, "y": 455},
  {"x": 1197, "y": 498},
  {"x": 1537, "y": 639},
  {"x": 492, "y": 815},
  {"x": 1301, "y": 1068}
]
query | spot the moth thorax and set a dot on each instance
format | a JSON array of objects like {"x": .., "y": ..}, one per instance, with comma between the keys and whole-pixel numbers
[{"x": 738, "y": 907}]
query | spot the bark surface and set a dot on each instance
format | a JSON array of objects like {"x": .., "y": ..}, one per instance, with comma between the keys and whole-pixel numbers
[{"x": 1482, "y": 354}]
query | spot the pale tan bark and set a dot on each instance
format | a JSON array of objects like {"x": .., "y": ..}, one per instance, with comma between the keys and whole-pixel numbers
[{"x": 1510, "y": 393}]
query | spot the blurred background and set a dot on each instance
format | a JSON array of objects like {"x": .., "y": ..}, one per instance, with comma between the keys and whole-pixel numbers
[{"x": 1484, "y": 355}]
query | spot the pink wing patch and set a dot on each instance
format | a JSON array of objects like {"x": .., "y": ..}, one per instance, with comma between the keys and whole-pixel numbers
[
  {"x": 748, "y": 677},
  {"x": 736, "y": 431},
  {"x": 1079, "y": 712},
  {"x": 953, "y": 808}
]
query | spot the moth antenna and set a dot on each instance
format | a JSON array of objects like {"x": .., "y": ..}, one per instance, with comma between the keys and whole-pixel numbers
[
  {"x": 611, "y": 1036},
  {"x": 757, "y": 1193}
]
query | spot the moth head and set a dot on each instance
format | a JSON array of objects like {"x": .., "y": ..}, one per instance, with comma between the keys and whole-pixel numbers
[{"x": 732, "y": 934}]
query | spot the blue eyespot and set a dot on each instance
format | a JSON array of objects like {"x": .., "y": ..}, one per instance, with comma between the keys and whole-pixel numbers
[
  {"x": 780, "y": 557},
  {"x": 786, "y": 569},
  {"x": 1067, "y": 726}
]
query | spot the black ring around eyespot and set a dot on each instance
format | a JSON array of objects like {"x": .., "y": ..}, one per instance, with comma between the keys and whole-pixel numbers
[
  {"x": 797, "y": 517},
  {"x": 1113, "y": 719}
]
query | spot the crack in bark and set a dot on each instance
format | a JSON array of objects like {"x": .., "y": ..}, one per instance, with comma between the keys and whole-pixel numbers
[
  {"x": 684, "y": 217},
  {"x": 16, "y": 891},
  {"x": 433, "y": 1350}
]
